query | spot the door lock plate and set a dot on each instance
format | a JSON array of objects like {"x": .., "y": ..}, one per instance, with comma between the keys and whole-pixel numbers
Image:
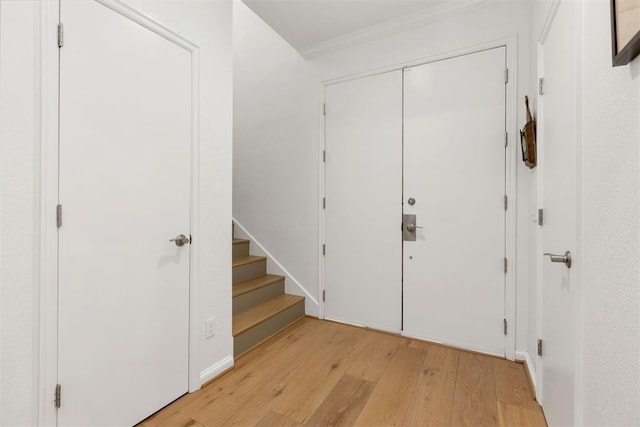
[{"x": 408, "y": 228}]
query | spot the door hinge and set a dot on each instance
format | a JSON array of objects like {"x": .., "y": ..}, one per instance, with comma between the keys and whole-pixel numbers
[
  {"x": 324, "y": 249},
  {"x": 506, "y": 139},
  {"x": 324, "y": 109},
  {"x": 324, "y": 156},
  {"x": 59, "y": 216},
  {"x": 505, "y": 265},
  {"x": 541, "y": 86},
  {"x": 324, "y": 296},
  {"x": 540, "y": 217},
  {"x": 505, "y": 326},
  {"x": 506, "y": 202},
  {"x": 506, "y": 75},
  {"x": 324, "y": 203},
  {"x": 57, "y": 396},
  {"x": 539, "y": 347},
  {"x": 60, "y": 34}
]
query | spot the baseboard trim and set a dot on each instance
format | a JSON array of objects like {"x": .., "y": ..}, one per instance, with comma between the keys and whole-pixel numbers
[
  {"x": 523, "y": 356},
  {"x": 312, "y": 307},
  {"x": 216, "y": 370}
]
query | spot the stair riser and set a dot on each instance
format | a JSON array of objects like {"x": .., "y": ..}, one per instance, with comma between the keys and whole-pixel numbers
[
  {"x": 264, "y": 330},
  {"x": 240, "y": 250},
  {"x": 249, "y": 271},
  {"x": 257, "y": 296}
]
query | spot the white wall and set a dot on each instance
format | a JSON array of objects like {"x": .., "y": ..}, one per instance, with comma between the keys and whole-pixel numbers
[
  {"x": 207, "y": 24},
  {"x": 485, "y": 25},
  {"x": 609, "y": 381},
  {"x": 18, "y": 230},
  {"x": 275, "y": 151}
]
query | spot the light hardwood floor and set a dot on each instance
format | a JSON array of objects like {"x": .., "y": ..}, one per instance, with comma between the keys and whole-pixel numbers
[{"x": 320, "y": 373}]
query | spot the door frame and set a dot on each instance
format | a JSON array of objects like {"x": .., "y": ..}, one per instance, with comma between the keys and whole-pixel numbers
[
  {"x": 577, "y": 265},
  {"x": 511, "y": 120},
  {"x": 46, "y": 336}
]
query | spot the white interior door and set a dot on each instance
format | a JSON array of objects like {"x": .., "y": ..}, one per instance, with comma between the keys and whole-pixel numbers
[
  {"x": 125, "y": 141},
  {"x": 363, "y": 170},
  {"x": 558, "y": 233},
  {"x": 454, "y": 169}
]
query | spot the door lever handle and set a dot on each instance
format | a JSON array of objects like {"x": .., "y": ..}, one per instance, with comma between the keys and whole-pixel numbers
[
  {"x": 565, "y": 259},
  {"x": 180, "y": 240},
  {"x": 412, "y": 227}
]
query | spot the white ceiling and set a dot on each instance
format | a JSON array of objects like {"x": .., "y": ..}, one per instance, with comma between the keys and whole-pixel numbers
[{"x": 304, "y": 23}]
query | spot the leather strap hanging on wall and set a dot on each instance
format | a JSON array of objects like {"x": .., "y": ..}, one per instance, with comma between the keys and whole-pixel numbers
[{"x": 528, "y": 139}]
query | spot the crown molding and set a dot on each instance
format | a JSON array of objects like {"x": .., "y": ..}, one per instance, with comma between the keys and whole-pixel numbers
[{"x": 446, "y": 10}]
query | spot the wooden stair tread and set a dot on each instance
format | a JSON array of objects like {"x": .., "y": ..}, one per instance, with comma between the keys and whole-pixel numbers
[
  {"x": 247, "y": 260},
  {"x": 251, "y": 284},
  {"x": 258, "y": 314},
  {"x": 239, "y": 241}
]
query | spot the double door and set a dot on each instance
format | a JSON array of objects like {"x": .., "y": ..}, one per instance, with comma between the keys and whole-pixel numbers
[{"x": 415, "y": 201}]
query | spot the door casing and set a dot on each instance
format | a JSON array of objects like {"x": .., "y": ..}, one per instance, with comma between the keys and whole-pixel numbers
[
  {"x": 511, "y": 45},
  {"x": 47, "y": 335}
]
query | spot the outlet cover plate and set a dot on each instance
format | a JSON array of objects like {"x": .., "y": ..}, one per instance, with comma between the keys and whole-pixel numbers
[{"x": 210, "y": 327}]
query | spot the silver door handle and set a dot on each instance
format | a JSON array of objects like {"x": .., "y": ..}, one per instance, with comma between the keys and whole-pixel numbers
[
  {"x": 411, "y": 228},
  {"x": 180, "y": 240},
  {"x": 565, "y": 259}
]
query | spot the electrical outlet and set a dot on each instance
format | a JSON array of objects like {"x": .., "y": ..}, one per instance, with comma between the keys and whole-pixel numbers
[{"x": 210, "y": 327}]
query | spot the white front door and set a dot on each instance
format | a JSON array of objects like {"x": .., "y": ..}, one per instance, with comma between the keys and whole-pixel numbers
[
  {"x": 363, "y": 252},
  {"x": 557, "y": 145},
  {"x": 454, "y": 185},
  {"x": 125, "y": 150}
]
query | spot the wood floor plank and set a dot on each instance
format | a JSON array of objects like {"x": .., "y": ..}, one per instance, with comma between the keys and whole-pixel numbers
[
  {"x": 180, "y": 420},
  {"x": 420, "y": 345},
  {"x": 432, "y": 402},
  {"x": 273, "y": 419},
  {"x": 315, "y": 372},
  {"x": 266, "y": 395},
  {"x": 251, "y": 370},
  {"x": 167, "y": 412},
  {"x": 261, "y": 384},
  {"x": 343, "y": 404},
  {"x": 158, "y": 418},
  {"x": 513, "y": 415},
  {"x": 475, "y": 395},
  {"x": 310, "y": 386},
  {"x": 388, "y": 402},
  {"x": 512, "y": 384},
  {"x": 373, "y": 360}
]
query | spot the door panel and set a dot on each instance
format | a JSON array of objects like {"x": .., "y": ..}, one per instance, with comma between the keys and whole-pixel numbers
[
  {"x": 454, "y": 168},
  {"x": 558, "y": 234},
  {"x": 363, "y": 212},
  {"x": 125, "y": 149}
]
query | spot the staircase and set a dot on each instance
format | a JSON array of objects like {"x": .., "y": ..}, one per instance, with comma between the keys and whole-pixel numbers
[{"x": 260, "y": 306}]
